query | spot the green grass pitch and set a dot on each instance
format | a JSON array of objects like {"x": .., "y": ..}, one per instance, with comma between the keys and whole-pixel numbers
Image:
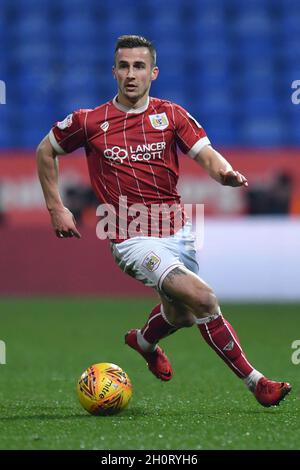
[{"x": 50, "y": 342}]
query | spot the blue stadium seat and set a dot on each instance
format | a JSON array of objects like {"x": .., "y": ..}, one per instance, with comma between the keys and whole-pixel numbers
[
  {"x": 4, "y": 68},
  {"x": 5, "y": 131},
  {"x": 290, "y": 25},
  {"x": 257, "y": 103},
  {"x": 3, "y": 26},
  {"x": 289, "y": 5},
  {"x": 254, "y": 23},
  {"x": 220, "y": 129},
  {"x": 230, "y": 62},
  {"x": 122, "y": 22},
  {"x": 33, "y": 53},
  {"x": 169, "y": 77},
  {"x": 36, "y": 85},
  {"x": 254, "y": 6},
  {"x": 290, "y": 74},
  {"x": 78, "y": 78},
  {"x": 290, "y": 107},
  {"x": 174, "y": 94},
  {"x": 294, "y": 130},
  {"x": 29, "y": 6},
  {"x": 74, "y": 30},
  {"x": 255, "y": 48},
  {"x": 84, "y": 55},
  {"x": 211, "y": 52},
  {"x": 30, "y": 26},
  {"x": 155, "y": 6},
  {"x": 169, "y": 58},
  {"x": 259, "y": 69},
  {"x": 82, "y": 100},
  {"x": 80, "y": 7},
  {"x": 216, "y": 103},
  {"x": 32, "y": 131},
  {"x": 289, "y": 52},
  {"x": 209, "y": 22},
  {"x": 264, "y": 131}
]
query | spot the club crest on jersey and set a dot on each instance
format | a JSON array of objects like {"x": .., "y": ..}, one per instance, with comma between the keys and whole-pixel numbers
[
  {"x": 67, "y": 122},
  {"x": 151, "y": 261},
  {"x": 104, "y": 126},
  {"x": 159, "y": 121}
]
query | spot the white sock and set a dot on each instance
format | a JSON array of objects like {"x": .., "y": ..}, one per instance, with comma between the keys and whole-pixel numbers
[
  {"x": 143, "y": 344},
  {"x": 252, "y": 380}
]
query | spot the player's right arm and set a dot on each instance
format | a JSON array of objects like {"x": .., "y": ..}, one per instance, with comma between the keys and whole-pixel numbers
[
  {"x": 62, "y": 219},
  {"x": 193, "y": 141}
]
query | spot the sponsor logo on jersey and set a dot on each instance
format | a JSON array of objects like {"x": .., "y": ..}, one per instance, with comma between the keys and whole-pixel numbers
[
  {"x": 115, "y": 154},
  {"x": 151, "y": 261},
  {"x": 159, "y": 121},
  {"x": 67, "y": 122},
  {"x": 139, "y": 153},
  {"x": 104, "y": 126}
]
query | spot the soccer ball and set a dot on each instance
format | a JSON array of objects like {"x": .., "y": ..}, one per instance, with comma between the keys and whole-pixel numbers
[{"x": 104, "y": 389}]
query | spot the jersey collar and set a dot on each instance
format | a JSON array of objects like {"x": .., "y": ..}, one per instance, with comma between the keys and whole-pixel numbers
[{"x": 126, "y": 109}]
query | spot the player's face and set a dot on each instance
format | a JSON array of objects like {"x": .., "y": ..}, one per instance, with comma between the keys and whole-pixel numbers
[{"x": 134, "y": 73}]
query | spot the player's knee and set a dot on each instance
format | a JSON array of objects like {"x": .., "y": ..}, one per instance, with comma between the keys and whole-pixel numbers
[
  {"x": 180, "y": 316},
  {"x": 185, "y": 321},
  {"x": 205, "y": 300}
]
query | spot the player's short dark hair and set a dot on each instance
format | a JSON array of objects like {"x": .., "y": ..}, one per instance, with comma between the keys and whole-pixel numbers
[{"x": 130, "y": 41}]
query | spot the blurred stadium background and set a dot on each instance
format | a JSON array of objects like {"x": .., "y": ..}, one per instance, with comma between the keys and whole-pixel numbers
[{"x": 231, "y": 63}]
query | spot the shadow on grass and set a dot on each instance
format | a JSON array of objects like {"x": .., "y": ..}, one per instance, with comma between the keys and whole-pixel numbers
[
  {"x": 216, "y": 413},
  {"x": 23, "y": 411},
  {"x": 134, "y": 412},
  {"x": 39, "y": 416}
]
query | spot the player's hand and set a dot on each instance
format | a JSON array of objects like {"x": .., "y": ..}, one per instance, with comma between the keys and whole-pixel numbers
[
  {"x": 233, "y": 178},
  {"x": 64, "y": 223}
]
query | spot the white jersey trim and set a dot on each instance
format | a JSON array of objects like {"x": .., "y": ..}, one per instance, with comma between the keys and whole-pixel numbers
[
  {"x": 58, "y": 149},
  {"x": 198, "y": 146},
  {"x": 126, "y": 109}
]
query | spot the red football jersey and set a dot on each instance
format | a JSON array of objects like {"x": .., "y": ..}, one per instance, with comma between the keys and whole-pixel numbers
[{"x": 132, "y": 152}]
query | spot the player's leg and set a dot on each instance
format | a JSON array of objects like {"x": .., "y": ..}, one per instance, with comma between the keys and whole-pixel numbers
[
  {"x": 171, "y": 314},
  {"x": 147, "y": 259},
  {"x": 166, "y": 318},
  {"x": 184, "y": 286}
]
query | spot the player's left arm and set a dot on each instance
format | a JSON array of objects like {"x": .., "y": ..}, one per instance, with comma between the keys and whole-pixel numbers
[{"x": 219, "y": 168}]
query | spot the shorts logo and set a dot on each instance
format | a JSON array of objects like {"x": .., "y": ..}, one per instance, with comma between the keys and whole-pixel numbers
[
  {"x": 67, "y": 122},
  {"x": 104, "y": 126},
  {"x": 151, "y": 261},
  {"x": 159, "y": 121}
]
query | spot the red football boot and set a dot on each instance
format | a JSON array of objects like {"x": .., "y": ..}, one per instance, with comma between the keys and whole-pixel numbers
[
  {"x": 269, "y": 393},
  {"x": 157, "y": 361}
]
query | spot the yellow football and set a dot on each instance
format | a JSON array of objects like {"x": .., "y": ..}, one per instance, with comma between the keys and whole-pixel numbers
[{"x": 104, "y": 389}]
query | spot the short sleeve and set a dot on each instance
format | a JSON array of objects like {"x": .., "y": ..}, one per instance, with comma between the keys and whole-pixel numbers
[
  {"x": 190, "y": 135},
  {"x": 69, "y": 134}
]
